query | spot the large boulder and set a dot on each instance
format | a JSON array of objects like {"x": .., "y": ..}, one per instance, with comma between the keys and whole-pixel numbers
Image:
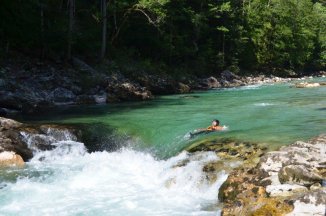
[
  {"x": 209, "y": 83},
  {"x": 289, "y": 180},
  {"x": 11, "y": 140},
  {"x": 124, "y": 90}
]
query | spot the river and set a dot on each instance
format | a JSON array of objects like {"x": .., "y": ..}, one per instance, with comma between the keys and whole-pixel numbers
[{"x": 137, "y": 176}]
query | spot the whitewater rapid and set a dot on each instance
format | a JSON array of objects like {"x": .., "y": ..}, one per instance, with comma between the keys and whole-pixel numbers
[{"x": 70, "y": 181}]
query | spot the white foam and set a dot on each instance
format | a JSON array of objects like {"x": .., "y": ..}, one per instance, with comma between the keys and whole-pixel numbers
[
  {"x": 70, "y": 181},
  {"x": 264, "y": 104}
]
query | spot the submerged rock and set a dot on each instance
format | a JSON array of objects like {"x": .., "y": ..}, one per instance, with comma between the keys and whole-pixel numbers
[{"x": 285, "y": 181}]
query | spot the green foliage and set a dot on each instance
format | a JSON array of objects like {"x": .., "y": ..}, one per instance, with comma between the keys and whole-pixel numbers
[{"x": 198, "y": 36}]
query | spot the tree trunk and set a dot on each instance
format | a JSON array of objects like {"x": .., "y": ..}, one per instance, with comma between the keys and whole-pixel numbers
[
  {"x": 42, "y": 31},
  {"x": 104, "y": 28},
  {"x": 71, "y": 6}
]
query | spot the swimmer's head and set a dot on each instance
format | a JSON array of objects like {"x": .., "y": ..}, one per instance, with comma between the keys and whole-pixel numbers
[{"x": 215, "y": 122}]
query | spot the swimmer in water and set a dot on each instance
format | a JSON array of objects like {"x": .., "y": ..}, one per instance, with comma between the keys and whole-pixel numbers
[{"x": 214, "y": 127}]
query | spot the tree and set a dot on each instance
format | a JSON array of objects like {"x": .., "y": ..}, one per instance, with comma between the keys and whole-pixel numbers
[
  {"x": 104, "y": 28},
  {"x": 71, "y": 10}
]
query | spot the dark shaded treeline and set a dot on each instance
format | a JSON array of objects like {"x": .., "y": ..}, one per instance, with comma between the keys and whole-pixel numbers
[{"x": 174, "y": 36}]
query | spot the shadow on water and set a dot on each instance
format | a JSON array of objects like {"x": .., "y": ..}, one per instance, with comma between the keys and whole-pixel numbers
[{"x": 59, "y": 113}]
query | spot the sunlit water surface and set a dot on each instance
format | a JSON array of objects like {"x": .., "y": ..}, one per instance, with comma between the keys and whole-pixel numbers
[{"x": 139, "y": 179}]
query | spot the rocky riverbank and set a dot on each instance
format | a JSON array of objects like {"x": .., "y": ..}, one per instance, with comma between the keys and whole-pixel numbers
[
  {"x": 30, "y": 86},
  {"x": 290, "y": 181},
  {"x": 19, "y": 142}
]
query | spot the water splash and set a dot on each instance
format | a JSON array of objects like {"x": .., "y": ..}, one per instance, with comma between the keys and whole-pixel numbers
[{"x": 72, "y": 181}]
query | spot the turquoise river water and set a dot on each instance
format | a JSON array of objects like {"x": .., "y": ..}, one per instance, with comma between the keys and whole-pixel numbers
[{"x": 133, "y": 180}]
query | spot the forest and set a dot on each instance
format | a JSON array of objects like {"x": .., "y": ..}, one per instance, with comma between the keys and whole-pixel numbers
[{"x": 171, "y": 36}]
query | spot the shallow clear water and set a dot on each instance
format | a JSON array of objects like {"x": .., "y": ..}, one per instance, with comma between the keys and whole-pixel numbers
[{"x": 141, "y": 179}]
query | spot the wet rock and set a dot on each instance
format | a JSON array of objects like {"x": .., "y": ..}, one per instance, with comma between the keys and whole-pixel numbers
[
  {"x": 25, "y": 140},
  {"x": 229, "y": 149},
  {"x": 60, "y": 132},
  {"x": 230, "y": 153},
  {"x": 9, "y": 158}
]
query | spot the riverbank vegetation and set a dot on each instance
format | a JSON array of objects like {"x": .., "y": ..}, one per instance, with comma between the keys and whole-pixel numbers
[{"x": 165, "y": 36}]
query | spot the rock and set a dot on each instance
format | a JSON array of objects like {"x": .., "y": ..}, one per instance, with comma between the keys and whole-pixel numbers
[
  {"x": 100, "y": 99},
  {"x": 2, "y": 83},
  {"x": 229, "y": 76},
  {"x": 212, "y": 82},
  {"x": 306, "y": 85},
  {"x": 311, "y": 203},
  {"x": 85, "y": 99},
  {"x": 209, "y": 83},
  {"x": 60, "y": 133},
  {"x": 229, "y": 149},
  {"x": 315, "y": 186},
  {"x": 8, "y": 124},
  {"x": 243, "y": 193},
  {"x": 9, "y": 158},
  {"x": 11, "y": 140},
  {"x": 285, "y": 181},
  {"x": 24, "y": 140},
  {"x": 299, "y": 174},
  {"x": 183, "y": 88},
  {"x": 158, "y": 85},
  {"x": 63, "y": 95},
  {"x": 127, "y": 91},
  {"x": 285, "y": 190}
]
